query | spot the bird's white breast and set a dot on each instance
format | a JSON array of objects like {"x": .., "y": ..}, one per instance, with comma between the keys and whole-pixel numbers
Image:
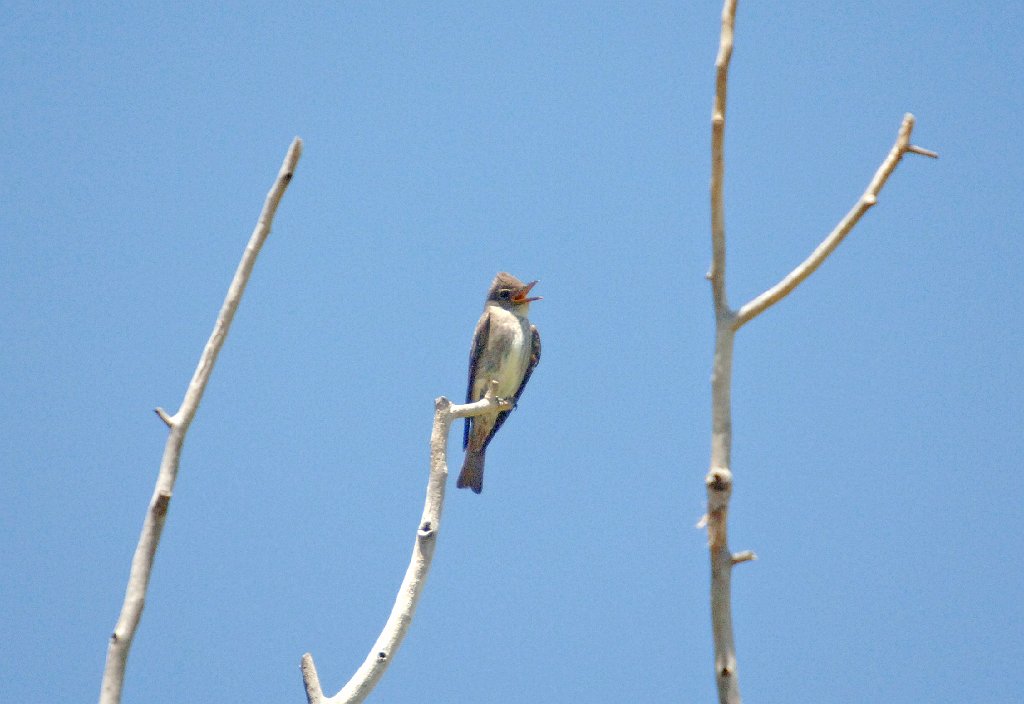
[{"x": 515, "y": 333}]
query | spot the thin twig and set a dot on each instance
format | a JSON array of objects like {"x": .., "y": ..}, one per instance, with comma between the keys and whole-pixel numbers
[
  {"x": 142, "y": 562},
  {"x": 390, "y": 638},
  {"x": 744, "y": 556},
  {"x": 716, "y": 274},
  {"x": 780, "y": 290}
]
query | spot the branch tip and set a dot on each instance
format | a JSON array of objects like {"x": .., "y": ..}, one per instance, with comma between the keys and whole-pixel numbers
[
  {"x": 168, "y": 420},
  {"x": 294, "y": 152},
  {"x": 914, "y": 149},
  {"x": 745, "y": 556},
  {"x": 314, "y": 694}
]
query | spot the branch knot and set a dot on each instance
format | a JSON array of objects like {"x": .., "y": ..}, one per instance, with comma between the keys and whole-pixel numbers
[
  {"x": 719, "y": 479},
  {"x": 161, "y": 504}
]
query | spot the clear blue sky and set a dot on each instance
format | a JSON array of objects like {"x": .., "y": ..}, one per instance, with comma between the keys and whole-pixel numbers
[{"x": 878, "y": 411}]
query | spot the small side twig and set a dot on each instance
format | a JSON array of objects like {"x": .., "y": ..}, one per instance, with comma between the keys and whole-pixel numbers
[
  {"x": 743, "y": 556},
  {"x": 776, "y": 293},
  {"x": 178, "y": 424},
  {"x": 393, "y": 633}
]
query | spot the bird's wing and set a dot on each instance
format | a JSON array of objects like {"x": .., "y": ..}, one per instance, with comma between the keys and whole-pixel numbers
[
  {"x": 534, "y": 360},
  {"x": 483, "y": 330}
]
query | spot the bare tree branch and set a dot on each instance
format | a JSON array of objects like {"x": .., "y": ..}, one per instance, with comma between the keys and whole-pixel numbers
[
  {"x": 719, "y": 479},
  {"x": 780, "y": 290},
  {"x": 716, "y": 274},
  {"x": 390, "y": 639},
  {"x": 152, "y": 527}
]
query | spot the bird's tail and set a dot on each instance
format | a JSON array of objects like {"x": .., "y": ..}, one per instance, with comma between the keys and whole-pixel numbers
[{"x": 472, "y": 474}]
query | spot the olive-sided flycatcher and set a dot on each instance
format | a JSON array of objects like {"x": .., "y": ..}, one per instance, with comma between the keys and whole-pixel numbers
[{"x": 505, "y": 348}]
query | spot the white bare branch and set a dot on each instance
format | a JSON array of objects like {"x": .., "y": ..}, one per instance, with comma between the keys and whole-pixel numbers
[
  {"x": 390, "y": 638},
  {"x": 719, "y": 479},
  {"x": 780, "y": 290},
  {"x": 716, "y": 274},
  {"x": 178, "y": 424}
]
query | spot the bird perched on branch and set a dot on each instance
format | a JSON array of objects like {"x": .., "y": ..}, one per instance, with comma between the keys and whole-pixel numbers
[{"x": 506, "y": 348}]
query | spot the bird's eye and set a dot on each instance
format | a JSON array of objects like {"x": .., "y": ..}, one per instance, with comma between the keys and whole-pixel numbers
[{"x": 504, "y": 293}]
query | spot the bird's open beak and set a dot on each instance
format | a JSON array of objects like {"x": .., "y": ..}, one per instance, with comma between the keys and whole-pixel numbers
[{"x": 521, "y": 295}]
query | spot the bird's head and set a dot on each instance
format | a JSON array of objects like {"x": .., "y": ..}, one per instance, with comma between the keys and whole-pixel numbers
[{"x": 510, "y": 293}]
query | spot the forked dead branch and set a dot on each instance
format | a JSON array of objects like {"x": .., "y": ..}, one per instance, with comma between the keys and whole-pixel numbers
[
  {"x": 387, "y": 644},
  {"x": 719, "y": 478}
]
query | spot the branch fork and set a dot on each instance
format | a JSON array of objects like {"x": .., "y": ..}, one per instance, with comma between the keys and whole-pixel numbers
[
  {"x": 727, "y": 321},
  {"x": 397, "y": 625}
]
